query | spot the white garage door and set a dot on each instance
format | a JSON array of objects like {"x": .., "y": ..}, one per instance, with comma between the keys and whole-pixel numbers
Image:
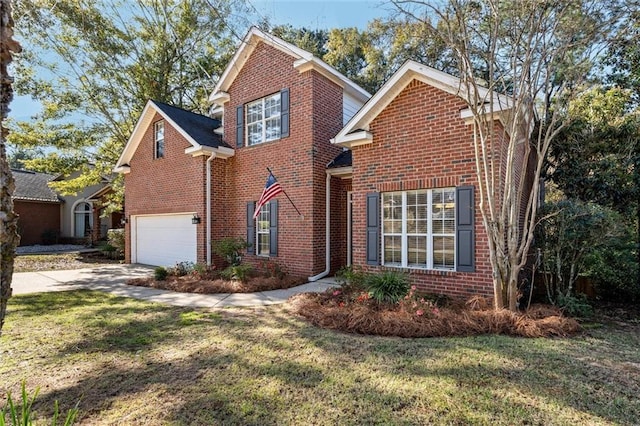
[{"x": 164, "y": 240}]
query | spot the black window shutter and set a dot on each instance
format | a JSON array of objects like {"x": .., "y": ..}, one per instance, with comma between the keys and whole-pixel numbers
[
  {"x": 251, "y": 228},
  {"x": 373, "y": 228},
  {"x": 273, "y": 228},
  {"x": 284, "y": 113},
  {"x": 465, "y": 224},
  {"x": 240, "y": 126}
]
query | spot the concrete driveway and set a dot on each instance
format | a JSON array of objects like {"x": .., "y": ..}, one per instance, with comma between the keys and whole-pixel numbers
[{"x": 112, "y": 279}]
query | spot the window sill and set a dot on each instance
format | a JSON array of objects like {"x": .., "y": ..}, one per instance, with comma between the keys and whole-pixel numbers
[{"x": 419, "y": 271}]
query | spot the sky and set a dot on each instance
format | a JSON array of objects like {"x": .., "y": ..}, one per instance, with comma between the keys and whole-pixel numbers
[{"x": 311, "y": 14}]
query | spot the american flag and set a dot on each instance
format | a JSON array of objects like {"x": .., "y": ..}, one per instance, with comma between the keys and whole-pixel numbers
[{"x": 271, "y": 189}]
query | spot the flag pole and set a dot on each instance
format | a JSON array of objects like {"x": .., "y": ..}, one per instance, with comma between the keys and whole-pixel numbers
[{"x": 285, "y": 193}]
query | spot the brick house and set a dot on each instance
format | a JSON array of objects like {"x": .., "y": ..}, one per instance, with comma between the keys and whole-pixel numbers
[
  {"x": 393, "y": 173},
  {"x": 46, "y": 217}
]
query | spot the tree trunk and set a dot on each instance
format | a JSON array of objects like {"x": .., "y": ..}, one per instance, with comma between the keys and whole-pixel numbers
[{"x": 9, "y": 238}]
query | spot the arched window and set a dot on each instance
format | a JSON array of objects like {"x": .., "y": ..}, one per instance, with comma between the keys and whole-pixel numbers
[{"x": 83, "y": 218}]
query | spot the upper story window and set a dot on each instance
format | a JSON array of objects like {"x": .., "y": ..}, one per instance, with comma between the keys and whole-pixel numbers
[
  {"x": 263, "y": 119},
  {"x": 419, "y": 229},
  {"x": 158, "y": 132}
]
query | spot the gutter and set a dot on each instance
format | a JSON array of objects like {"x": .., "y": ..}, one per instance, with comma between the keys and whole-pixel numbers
[
  {"x": 327, "y": 233},
  {"x": 208, "y": 204}
]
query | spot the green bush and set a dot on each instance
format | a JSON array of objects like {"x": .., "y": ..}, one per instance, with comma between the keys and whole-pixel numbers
[
  {"x": 570, "y": 232},
  {"x": 614, "y": 270},
  {"x": 21, "y": 415},
  {"x": 160, "y": 273},
  {"x": 183, "y": 268},
  {"x": 351, "y": 278},
  {"x": 237, "y": 272},
  {"x": 115, "y": 238},
  {"x": 388, "y": 287},
  {"x": 229, "y": 249},
  {"x": 575, "y": 306}
]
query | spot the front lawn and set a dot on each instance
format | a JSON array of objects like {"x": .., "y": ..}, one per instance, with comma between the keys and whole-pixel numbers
[
  {"x": 132, "y": 362},
  {"x": 58, "y": 261}
]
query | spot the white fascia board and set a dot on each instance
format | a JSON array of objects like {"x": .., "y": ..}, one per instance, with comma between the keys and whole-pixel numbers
[
  {"x": 220, "y": 152},
  {"x": 122, "y": 169},
  {"x": 219, "y": 98},
  {"x": 361, "y": 137},
  {"x": 302, "y": 59},
  {"x": 136, "y": 136},
  {"x": 244, "y": 51},
  {"x": 332, "y": 74},
  {"x": 341, "y": 172}
]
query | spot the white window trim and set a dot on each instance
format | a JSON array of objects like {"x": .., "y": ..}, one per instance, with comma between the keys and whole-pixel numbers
[
  {"x": 73, "y": 216},
  {"x": 263, "y": 120},
  {"x": 156, "y": 125},
  {"x": 265, "y": 207},
  {"x": 404, "y": 236}
]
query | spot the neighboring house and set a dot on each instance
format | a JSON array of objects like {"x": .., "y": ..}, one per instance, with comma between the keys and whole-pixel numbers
[
  {"x": 38, "y": 207},
  {"x": 394, "y": 173},
  {"x": 47, "y": 217},
  {"x": 81, "y": 213}
]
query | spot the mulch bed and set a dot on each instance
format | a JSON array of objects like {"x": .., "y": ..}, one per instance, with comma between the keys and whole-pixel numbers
[
  {"x": 195, "y": 284},
  {"x": 454, "y": 318}
]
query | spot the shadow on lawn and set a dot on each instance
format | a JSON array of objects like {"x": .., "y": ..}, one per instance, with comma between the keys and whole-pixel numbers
[{"x": 252, "y": 370}]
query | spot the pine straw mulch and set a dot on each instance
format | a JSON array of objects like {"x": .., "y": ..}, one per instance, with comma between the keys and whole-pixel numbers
[
  {"x": 196, "y": 284},
  {"x": 420, "y": 318}
]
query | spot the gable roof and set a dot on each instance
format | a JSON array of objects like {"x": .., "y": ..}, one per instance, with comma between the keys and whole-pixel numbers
[
  {"x": 304, "y": 61},
  {"x": 197, "y": 129},
  {"x": 33, "y": 186},
  {"x": 356, "y": 131}
]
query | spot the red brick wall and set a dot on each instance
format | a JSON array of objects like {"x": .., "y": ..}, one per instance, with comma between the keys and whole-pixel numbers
[
  {"x": 36, "y": 218},
  {"x": 172, "y": 184},
  {"x": 421, "y": 142},
  {"x": 298, "y": 161}
]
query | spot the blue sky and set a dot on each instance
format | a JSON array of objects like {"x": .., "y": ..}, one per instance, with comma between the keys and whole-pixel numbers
[{"x": 312, "y": 14}]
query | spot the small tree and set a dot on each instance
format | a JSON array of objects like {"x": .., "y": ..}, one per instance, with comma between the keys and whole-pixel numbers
[
  {"x": 570, "y": 231},
  {"x": 519, "y": 61},
  {"x": 9, "y": 238}
]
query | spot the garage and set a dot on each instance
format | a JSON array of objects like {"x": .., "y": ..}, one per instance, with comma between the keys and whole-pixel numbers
[{"x": 163, "y": 240}]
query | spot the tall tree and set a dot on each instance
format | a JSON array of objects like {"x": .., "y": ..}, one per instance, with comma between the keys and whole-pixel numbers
[
  {"x": 94, "y": 64},
  {"x": 8, "y": 219},
  {"x": 531, "y": 56},
  {"x": 596, "y": 158}
]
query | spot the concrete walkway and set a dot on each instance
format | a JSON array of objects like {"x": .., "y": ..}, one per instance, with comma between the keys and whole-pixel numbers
[{"x": 112, "y": 279}]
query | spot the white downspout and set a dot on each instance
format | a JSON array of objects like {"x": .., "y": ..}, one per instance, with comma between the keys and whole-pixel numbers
[
  {"x": 208, "y": 231},
  {"x": 327, "y": 233}
]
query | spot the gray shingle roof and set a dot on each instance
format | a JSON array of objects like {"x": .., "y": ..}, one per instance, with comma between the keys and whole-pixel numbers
[
  {"x": 32, "y": 186},
  {"x": 343, "y": 159},
  {"x": 199, "y": 127}
]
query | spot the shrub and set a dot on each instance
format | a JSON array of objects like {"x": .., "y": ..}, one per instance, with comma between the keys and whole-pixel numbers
[
  {"x": 271, "y": 268},
  {"x": 115, "y": 238},
  {"x": 49, "y": 237},
  {"x": 388, "y": 287},
  {"x": 21, "y": 416},
  {"x": 575, "y": 306},
  {"x": 229, "y": 249},
  {"x": 351, "y": 278},
  {"x": 237, "y": 272},
  {"x": 160, "y": 273},
  {"x": 570, "y": 231},
  {"x": 183, "y": 268}
]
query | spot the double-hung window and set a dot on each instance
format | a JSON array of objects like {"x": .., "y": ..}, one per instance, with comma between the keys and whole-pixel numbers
[
  {"x": 158, "y": 132},
  {"x": 263, "y": 119},
  {"x": 419, "y": 228},
  {"x": 263, "y": 222}
]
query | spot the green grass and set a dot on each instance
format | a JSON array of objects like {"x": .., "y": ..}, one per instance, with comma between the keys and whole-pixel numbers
[{"x": 132, "y": 362}]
